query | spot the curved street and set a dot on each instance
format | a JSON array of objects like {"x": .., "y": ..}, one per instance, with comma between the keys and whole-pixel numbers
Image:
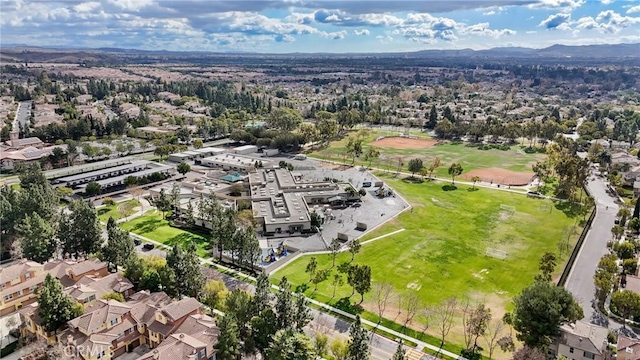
[{"x": 580, "y": 279}]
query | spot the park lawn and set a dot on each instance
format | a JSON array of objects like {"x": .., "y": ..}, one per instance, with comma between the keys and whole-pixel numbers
[
  {"x": 441, "y": 253},
  {"x": 153, "y": 226},
  {"x": 471, "y": 158},
  {"x": 116, "y": 211}
]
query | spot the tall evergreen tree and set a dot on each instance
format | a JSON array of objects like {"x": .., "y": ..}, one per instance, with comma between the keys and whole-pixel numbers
[
  {"x": 433, "y": 118},
  {"x": 358, "y": 341},
  {"x": 291, "y": 345},
  {"x": 37, "y": 238},
  {"x": 119, "y": 247},
  {"x": 80, "y": 232},
  {"x": 285, "y": 307},
  {"x": 186, "y": 267},
  {"x": 56, "y": 307},
  {"x": 263, "y": 296},
  {"x": 401, "y": 353},
  {"x": 228, "y": 345}
]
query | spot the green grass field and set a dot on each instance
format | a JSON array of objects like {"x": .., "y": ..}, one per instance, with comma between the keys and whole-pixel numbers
[
  {"x": 154, "y": 227},
  {"x": 117, "y": 211},
  {"x": 442, "y": 252},
  {"x": 514, "y": 159}
]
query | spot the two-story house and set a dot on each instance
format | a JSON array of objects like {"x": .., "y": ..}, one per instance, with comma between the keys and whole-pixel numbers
[
  {"x": 194, "y": 339},
  {"x": 88, "y": 290},
  {"x": 69, "y": 272},
  {"x": 19, "y": 283},
  {"x": 581, "y": 341},
  {"x": 167, "y": 319},
  {"x": 628, "y": 348}
]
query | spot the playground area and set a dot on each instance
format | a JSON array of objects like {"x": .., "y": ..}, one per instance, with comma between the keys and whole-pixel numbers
[
  {"x": 397, "y": 142},
  {"x": 500, "y": 176},
  {"x": 484, "y": 245}
]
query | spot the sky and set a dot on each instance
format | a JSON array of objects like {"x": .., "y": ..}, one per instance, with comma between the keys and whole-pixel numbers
[{"x": 288, "y": 26}]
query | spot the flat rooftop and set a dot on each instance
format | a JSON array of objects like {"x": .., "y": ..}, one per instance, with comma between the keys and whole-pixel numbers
[
  {"x": 209, "y": 150},
  {"x": 105, "y": 170},
  {"x": 231, "y": 159},
  {"x": 142, "y": 173}
]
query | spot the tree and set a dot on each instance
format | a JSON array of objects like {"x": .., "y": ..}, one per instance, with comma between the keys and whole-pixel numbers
[
  {"x": 359, "y": 277},
  {"x": 338, "y": 280},
  {"x": 454, "y": 170},
  {"x": 358, "y": 345},
  {"x": 79, "y": 230},
  {"x": 617, "y": 231},
  {"x": 321, "y": 343},
  {"x": 433, "y": 118},
  {"x": 184, "y": 168},
  {"x": 625, "y": 250},
  {"x": 285, "y": 308},
  {"x": 354, "y": 148},
  {"x": 37, "y": 238},
  {"x": 411, "y": 304},
  {"x": 185, "y": 263},
  {"x": 475, "y": 179},
  {"x": 56, "y": 307},
  {"x": 119, "y": 247},
  {"x": 339, "y": 349},
  {"x": 302, "y": 315},
  {"x": 629, "y": 266},
  {"x": 213, "y": 294},
  {"x": 371, "y": 154},
  {"x": 162, "y": 202},
  {"x": 401, "y": 353},
  {"x": 334, "y": 247},
  {"x": 529, "y": 353},
  {"x": 263, "y": 296},
  {"x": 415, "y": 166},
  {"x": 475, "y": 325},
  {"x": 113, "y": 296},
  {"x": 311, "y": 267},
  {"x": 623, "y": 214},
  {"x": 290, "y": 345},
  {"x": 546, "y": 266},
  {"x": 492, "y": 335},
  {"x": 539, "y": 311},
  {"x": 354, "y": 248},
  {"x": 434, "y": 165},
  {"x": 444, "y": 317},
  {"x": 625, "y": 303},
  {"x": 93, "y": 189},
  {"x": 320, "y": 276},
  {"x": 605, "y": 276},
  {"x": 228, "y": 346}
]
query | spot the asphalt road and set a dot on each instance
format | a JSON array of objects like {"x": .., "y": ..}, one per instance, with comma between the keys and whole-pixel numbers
[
  {"x": 580, "y": 280},
  {"x": 22, "y": 115}
]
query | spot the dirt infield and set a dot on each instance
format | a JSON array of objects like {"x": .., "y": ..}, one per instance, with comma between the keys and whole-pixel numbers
[
  {"x": 500, "y": 176},
  {"x": 403, "y": 143}
]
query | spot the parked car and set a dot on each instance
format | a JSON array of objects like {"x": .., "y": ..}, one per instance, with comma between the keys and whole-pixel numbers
[
  {"x": 137, "y": 242},
  {"x": 148, "y": 246}
]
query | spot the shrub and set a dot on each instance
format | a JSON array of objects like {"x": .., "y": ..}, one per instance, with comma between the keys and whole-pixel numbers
[{"x": 108, "y": 201}]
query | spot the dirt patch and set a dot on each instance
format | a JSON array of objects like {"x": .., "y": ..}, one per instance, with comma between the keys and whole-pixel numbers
[
  {"x": 403, "y": 143},
  {"x": 500, "y": 176}
]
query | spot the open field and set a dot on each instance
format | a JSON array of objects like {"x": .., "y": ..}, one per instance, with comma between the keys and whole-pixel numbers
[
  {"x": 443, "y": 251},
  {"x": 396, "y": 150},
  {"x": 154, "y": 227},
  {"x": 117, "y": 211}
]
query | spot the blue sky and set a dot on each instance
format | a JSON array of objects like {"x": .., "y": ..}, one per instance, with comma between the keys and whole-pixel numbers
[{"x": 282, "y": 26}]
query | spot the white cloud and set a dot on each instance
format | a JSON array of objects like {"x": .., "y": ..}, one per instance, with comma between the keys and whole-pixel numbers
[
  {"x": 607, "y": 2},
  {"x": 131, "y": 5},
  {"x": 361, "y": 32},
  {"x": 557, "y": 21},
  {"x": 482, "y": 29},
  {"x": 556, "y": 4},
  {"x": 489, "y": 13},
  {"x": 384, "y": 39},
  {"x": 633, "y": 9}
]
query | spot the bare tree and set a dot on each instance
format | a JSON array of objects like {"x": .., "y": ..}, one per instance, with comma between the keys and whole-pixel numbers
[
  {"x": 427, "y": 314},
  {"x": 411, "y": 306},
  {"x": 466, "y": 308},
  {"x": 444, "y": 317},
  {"x": 382, "y": 292},
  {"x": 136, "y": 193},
  {"x": 491, "y": 336}
]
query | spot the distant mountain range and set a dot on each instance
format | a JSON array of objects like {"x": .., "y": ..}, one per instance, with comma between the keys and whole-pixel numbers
[{"x": 25, "y": 53}]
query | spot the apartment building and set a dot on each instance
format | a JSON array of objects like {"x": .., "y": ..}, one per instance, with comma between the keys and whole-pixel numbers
[{"x": 18, "y": 285}]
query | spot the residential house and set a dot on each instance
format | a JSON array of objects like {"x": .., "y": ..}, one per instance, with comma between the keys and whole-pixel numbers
[
  {"x": 636, "y": 188},
  {"x": 628, "y": 348},
  {"x": 88, "y": 289},
  {"x": 18, "y": 285},
  {"x": 629, "y": 177},
  {"x": 167, "y": 319},
  {"x": 69, "y": 272},
  {"x": 631, "y": 283},
  {"x": 581, "y": 341},
  {"x": 194, "y": 339}
]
